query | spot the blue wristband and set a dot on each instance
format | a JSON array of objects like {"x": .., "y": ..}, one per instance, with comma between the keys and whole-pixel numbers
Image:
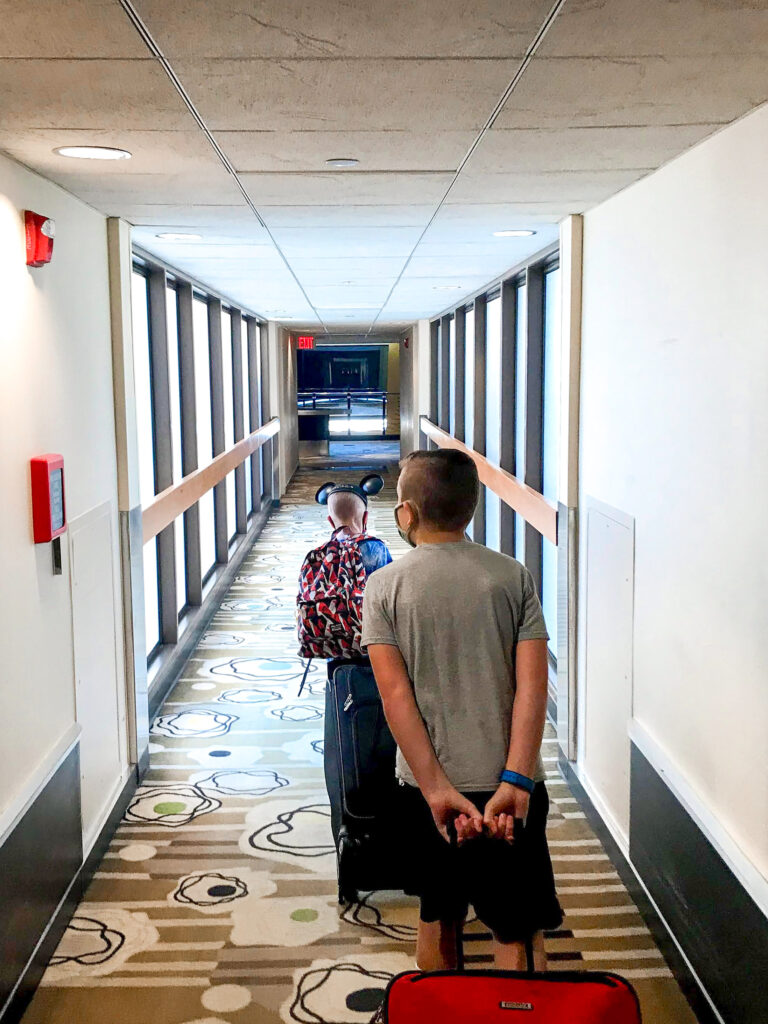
[{"x": 515, "y": 779}]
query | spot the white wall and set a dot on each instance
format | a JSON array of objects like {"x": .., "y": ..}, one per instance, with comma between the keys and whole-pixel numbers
[
  {"x": 674, "y": 423},
  {"x": 414, "y": 385},
  {"x": 55, "y": 396},
  {"x": 283, "y": 377}
]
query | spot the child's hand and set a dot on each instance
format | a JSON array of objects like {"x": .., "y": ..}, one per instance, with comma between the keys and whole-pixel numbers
[
  {"x": 507, "y": 804},
  {"x": 448, "y": 807}
]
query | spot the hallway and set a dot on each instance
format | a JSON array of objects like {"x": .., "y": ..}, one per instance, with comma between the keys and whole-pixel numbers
[{"x": 217, "y": 900}]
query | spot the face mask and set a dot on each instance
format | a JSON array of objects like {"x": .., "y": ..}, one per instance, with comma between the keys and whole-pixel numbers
[{"x": 404, "y": 534}]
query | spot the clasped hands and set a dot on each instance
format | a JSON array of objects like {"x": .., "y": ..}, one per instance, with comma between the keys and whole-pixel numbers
[{"x": 508, "y": 804}]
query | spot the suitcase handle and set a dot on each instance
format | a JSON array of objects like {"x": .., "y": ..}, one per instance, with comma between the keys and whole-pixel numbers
[{"x": 530, "y": 964}]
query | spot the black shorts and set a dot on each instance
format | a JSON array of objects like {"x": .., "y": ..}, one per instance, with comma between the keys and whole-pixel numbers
[{"x": 510, "y": 886}]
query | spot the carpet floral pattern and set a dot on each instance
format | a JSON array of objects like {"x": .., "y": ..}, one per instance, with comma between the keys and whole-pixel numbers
[{"x": 216, "y": 902}]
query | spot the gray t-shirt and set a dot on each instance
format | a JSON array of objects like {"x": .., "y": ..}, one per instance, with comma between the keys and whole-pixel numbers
[{"x": 456, "y": 612}]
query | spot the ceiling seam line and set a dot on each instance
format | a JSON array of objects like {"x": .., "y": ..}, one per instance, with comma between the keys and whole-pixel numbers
[
  {"x": 152, "y": 46},
  {"x": 523, "y": 67}
]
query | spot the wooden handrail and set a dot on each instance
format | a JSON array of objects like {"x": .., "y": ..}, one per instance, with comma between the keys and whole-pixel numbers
[
  {"x": 175, "y": 500},
  {"x": 537, "y": 510}
]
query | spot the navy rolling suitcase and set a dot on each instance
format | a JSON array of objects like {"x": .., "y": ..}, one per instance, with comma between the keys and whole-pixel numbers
[{"x": 359, "y": 754}]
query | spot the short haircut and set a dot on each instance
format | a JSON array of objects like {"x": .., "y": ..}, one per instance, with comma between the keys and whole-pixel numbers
[
  {"x": 345, "y": 507},
  {"x": 443, "y": 485}
]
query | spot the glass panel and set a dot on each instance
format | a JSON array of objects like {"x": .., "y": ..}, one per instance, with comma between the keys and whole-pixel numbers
[
  {"x": 520, "y": 386},
  {"x": 493, "y": 416},
  {"x": 551, "y": 442},
  {"x": 172, "y": 312},
  {"x": 142, "y": 377},
  {"x": 246, "y": 414},
  {"x": 469, "y": 386},
  {"x": 229, "y": 413},
  {"x": 469, "y": 378},
  {"x": 204, "y": 428},
  {"x": 151, "y": 597},
  {"x": 452, "y": 381},
  {"x": 142, "y": 373}
]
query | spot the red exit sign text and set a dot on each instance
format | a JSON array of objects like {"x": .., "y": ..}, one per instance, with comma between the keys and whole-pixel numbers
[{"x": 306, "y": 341}]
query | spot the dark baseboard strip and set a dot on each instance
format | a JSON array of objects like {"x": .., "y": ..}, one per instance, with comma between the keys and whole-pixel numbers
[
  {"x": 719, "y": 925},
  {"x": 43, "y": 943},
  {"x": 661, "y": 935},
  {"x": 200, "y": 618}
]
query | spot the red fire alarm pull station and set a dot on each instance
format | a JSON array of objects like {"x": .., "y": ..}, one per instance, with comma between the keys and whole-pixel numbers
[
  {"x": 306, "y": 341},
  {"x": 49, "y": 517},
  {"x": 39, "y": 231}
]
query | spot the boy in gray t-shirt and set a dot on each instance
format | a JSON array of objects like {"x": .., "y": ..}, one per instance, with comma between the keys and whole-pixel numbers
[{"x": 457, "y": 641}]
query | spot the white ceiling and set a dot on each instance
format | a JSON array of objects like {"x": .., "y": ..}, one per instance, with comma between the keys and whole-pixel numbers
[{"x": 615, "y": 89}]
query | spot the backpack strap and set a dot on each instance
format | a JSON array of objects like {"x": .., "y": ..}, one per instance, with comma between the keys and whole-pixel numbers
[{"x": 306, "y": 673}]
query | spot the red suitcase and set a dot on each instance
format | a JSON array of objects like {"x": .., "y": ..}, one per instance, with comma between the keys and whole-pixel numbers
[{"x": 502, "y": 997}]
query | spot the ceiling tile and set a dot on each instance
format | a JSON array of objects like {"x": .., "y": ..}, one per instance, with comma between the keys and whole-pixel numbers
[
  {"x": 341, "y": 95},
  {"x": 71, "y": 94},
  {"x": 325, "y": 243},
  {"x": 219, "y": 221},
  {"x": 621, "y": 28},
  {"x": 347, "y": 267},
  {"x": 152, "y": 152},
  {"x": 583, "y": 149},
  {"x": 376, "y": 151},
  {"x": 338, "y": 189},
  {"x": 75, "y": 28},
  {"x": 565, "y": 188},
  {"x": 327, "y": 28},
  {"x": 572, "y": 92},
  {"x": 348, "y": 216},
  {"x": 111, "y": 193}
]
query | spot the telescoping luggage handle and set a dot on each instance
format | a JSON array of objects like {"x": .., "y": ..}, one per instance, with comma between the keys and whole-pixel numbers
[{"x": 530, "y": 964}]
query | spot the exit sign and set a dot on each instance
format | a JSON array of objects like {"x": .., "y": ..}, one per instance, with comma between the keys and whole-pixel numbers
[{"x": 306, "y": 341}]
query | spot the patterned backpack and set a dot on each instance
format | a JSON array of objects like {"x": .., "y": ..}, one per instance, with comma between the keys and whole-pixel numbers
[{"x": 330, "y": 600}]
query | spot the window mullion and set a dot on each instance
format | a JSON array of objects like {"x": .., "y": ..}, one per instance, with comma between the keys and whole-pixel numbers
[
  {"x": 189, "y": 461},
  {"x": 217, "y": 425},
  {"x": 161, "y": 429}
]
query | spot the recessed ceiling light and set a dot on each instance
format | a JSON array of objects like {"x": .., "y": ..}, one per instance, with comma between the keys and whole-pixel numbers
[
  {"x": 343, "y": 161},
  {"x": 447, "y": 287},
  {"x": 179, "y": 236},
  {"x": 515, "y": 233},
  {"x": 93, "y": 152}
]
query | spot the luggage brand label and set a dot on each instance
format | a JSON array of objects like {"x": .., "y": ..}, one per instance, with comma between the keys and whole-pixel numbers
[{"x": 515, "y": 1006}]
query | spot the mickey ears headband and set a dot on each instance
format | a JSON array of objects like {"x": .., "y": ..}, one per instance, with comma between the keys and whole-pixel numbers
[{"x": 367, "y": 487}]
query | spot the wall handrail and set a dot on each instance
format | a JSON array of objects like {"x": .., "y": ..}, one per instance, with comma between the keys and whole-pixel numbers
[
  {"x": 176, "y": 499},
  {"x": 537, "y": 510}
]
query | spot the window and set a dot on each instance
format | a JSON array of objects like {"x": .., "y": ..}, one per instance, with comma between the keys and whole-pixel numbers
[
  {"x": 493, "y": 416},
  {"x": 469, "y": 383},
  {"x": 520, "y": 389},
  {"x": 172, "y": 316},
  {"x": 246, "y": 415},
  {"x": 452, "y": 379},
  {"x": 204, "y": 428},
  {"x": 550, "y": 445},
  {"x": 143, "y": 384},
  {"x": 229, "y": 414}
]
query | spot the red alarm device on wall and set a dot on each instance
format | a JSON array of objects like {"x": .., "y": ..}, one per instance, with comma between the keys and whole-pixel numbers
[
  {"x": 39, "y": 231},
  {"x": 49, "y": 516}
]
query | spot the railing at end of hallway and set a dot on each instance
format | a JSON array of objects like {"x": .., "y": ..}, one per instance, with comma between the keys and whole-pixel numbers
[
  {"x": 169, "y": 504},
  {"x": 537, "y": 510}
]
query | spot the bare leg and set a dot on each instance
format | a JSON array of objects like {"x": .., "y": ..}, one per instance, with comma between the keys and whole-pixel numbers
[
  {"x": 436, "y": 946},
  {"x": 510, "y": 956}
]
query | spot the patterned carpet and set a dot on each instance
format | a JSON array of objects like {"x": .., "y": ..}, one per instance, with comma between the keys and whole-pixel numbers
[{"x": 216, "y": 903}]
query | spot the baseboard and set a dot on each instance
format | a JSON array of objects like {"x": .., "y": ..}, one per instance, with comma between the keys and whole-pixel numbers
[
  {"x": 42, "y": 945},
  {"x": 176, "y": 658},
  {"x": 720, "y": 927},
  {"x": 617, "y": 846}
]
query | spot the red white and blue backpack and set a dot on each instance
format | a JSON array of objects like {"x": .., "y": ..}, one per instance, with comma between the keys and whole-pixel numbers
[{"x": 330, "y": 601}]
